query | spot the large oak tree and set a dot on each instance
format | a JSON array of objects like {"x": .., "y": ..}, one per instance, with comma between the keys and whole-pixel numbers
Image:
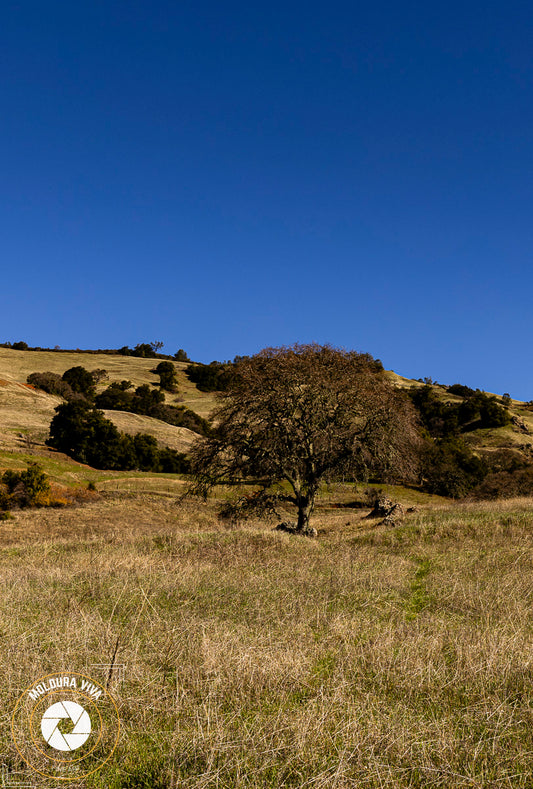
[{"x": 303, "y": 414}]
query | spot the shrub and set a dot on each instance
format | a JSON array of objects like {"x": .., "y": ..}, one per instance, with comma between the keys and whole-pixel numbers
[
  {"x": 51, "y": 383},
  {"x": 26, "y": 488},
  {"x": 452, "y": 469},
  {"x": 461, "y": 390},
  {"x": 444, "y": 420},
  {"x": 167, "y": 376},
  {"x": 144, "y": 350},
  {"x": 150, "y": 402},
  {"x": 172, "y": 462},
  {"x": 83, "y": 432},
  {"x": 213, "y": 377},
  {"x": 80, "y": 380},
  {"x": 86, "y": 435}
]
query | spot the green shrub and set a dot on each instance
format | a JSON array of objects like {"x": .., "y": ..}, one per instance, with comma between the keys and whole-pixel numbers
[
  {"x": 83, "y": 433},
  {"x": 452, "y": 469},
  {"x": 25, "y": 488},
  {"x": 51, "y": 383},
  {"x": 167, "y": 376},
  {"x": 80, "y": 380}
]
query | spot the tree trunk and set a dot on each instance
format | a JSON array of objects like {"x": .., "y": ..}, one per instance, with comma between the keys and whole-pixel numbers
[{"x": 305, "y": 508}]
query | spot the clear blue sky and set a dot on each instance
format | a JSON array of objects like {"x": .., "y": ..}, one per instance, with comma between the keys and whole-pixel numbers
[{"x": 227, "y": 176}]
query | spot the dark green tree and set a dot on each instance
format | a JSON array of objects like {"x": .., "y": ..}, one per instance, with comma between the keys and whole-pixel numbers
[
  {"x": 83, "y": 432},
  {"x": 80, "y": 380},
  {"x": 167, "y": 376}
]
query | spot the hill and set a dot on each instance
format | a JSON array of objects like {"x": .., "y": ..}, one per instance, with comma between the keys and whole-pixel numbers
[
  {"x": 28, "y": 412},
  {"x": 516, "y": 436},
  {"x": 25, "y": 412}
]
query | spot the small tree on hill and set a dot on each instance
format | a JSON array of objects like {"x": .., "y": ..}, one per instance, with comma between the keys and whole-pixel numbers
[
  {"x": 167, "y": 376},
  {"x": 86, "y": 435},
  {"x": 303, "y": 414},
  {"x": 80, "y": 380}
]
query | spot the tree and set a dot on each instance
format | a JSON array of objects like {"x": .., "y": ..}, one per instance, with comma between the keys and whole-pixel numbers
[
  {"x": 85, "y": 434},
  {"x": 144, "y": 350},
  {"x": 167, "y": 376},
  {"x": 80, "y": 380},
  {"x": 452, "y": 469},
  {"x": 99, "y": 375},
  {"x": 302, "y": 414}
]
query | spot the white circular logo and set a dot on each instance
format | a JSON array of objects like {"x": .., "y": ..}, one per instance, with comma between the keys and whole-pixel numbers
[
  {"x": 65, "y": 726},
  {"x": 66, "y": 710}
]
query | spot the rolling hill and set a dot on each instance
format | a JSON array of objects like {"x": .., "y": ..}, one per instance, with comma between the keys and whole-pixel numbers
[{"x": 26, "y": 412}]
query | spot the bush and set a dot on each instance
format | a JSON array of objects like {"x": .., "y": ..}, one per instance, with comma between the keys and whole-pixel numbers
[
  {"x": 461, "y": 390},
  {"x": 86, "y": 435},
  {"x": 213, "y": 377},
  {"x": 452, "y": 469},
  {"x": 25, "y": 488},
  {"x": 444, "y": 420},
  {"x": 80, "y": 380},
  {"x": 167, "y": 376},
  {"x": 508, "y": 475},
  {"x": 51, "y": 383},
  {"x": 150, "y": 402},
  {"x": 83, "y": 433}
]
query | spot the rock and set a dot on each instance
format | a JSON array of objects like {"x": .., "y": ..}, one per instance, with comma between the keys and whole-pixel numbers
[
  {"x": 382, "y": 507},
  {"x": 520, "y": 425},
  {"x": 286, "y": 526},
  {"x": 394, "y": 516},
  {"x": 291, "y": 528}
]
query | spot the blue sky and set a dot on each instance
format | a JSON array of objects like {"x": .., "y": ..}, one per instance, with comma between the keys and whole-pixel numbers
[{"x": 227, "y": 176}]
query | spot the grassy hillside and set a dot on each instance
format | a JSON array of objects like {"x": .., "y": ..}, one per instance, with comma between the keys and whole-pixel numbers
[
  {"x": 517, "y": 436},
  {"x": 26, "y": 411}
]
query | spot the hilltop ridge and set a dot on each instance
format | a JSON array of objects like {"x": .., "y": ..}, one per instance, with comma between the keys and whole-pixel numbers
[{"x": 26, "y": 412}]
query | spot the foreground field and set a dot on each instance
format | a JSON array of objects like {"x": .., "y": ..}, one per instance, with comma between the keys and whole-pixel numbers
[{"x": 365, "y": 658}]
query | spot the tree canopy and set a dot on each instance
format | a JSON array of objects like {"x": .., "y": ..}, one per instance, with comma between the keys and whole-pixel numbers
[{"x": 301, "y": 414}]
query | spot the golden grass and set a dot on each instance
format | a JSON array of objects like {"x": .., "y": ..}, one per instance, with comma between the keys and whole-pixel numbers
[
  {"x": 179, "y": 438},
  {"x": 25, "y": 411},
  {"x": 369, "y": 657}
]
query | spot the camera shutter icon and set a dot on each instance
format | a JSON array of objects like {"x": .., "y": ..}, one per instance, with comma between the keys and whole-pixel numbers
[{"x": 65, "y": 710}]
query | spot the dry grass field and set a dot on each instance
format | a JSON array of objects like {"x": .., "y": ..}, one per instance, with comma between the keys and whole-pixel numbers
[{"x": 370, "y": 657}]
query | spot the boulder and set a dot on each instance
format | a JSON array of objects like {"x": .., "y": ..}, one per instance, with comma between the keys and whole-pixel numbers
[
  {"x": 382, "y": 507},
  {"x": 291, "y": 528}
]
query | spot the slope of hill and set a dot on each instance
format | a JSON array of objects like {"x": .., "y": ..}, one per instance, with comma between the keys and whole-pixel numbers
[{"x": 25, "y": 411}]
